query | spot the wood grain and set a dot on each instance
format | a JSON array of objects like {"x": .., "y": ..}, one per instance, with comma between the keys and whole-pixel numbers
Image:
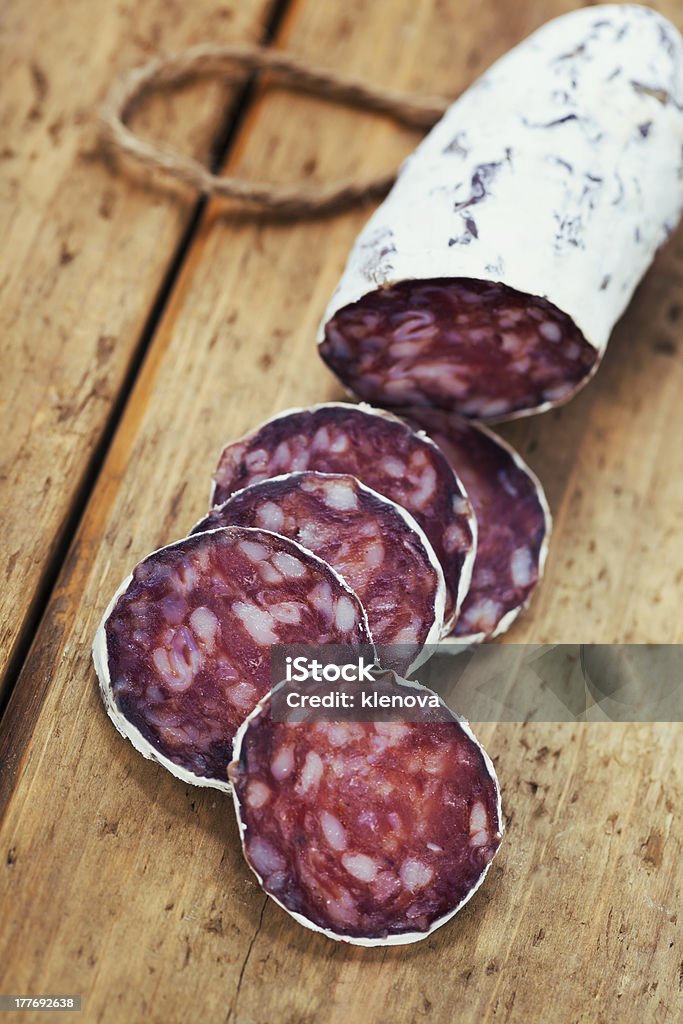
[
  {"x": 125, "y": 885},
  {"x": 84, "y": 251}
]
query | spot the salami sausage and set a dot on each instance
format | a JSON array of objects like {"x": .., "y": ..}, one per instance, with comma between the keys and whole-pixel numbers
[
  {"x": 375, "y": 545},
  {"x": 372, "y": 832},
  {"x": 183, "y": 651},
  {"x": 513, "y": 522},
  {"x": 382, "y": 452},
  {"x": 489, "y": 281}
]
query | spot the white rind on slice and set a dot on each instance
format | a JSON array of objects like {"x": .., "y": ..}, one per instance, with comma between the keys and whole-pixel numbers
[
  {"x": 100, "y": 657},
  {"x": 436, "y": 630},
  {"x": 404, "y": 938},
  {"x": 369, "y": 410}
]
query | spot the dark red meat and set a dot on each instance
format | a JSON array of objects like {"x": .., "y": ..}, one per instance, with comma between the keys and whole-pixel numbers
[
  {"x": 513, "y": 522},
  {"x": 378, "y": 549},
  {"x": 370, "y": 830},
  {"x": 380, "y": 451},
  {"x": 188, "y": 640},
  {"x": 473, "y": 347}
]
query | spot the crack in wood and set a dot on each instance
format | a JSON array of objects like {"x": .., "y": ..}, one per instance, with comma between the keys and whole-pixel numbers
[{"x": 232, "y": 1012}]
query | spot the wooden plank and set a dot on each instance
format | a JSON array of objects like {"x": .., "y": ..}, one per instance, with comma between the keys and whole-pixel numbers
[
  {"x": 84, "y": 251},
  {"x": 127, "y": 886}
]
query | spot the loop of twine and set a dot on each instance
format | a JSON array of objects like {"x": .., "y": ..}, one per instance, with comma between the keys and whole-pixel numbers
[{"x": 209, "y": 60}]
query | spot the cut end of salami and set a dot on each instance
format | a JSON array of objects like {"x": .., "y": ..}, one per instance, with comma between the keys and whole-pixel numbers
[
  {"x": 381, "y": 451},
  {"x": 513, "y": 520},
  {"x": 183, "y": 652},
  {"x": 374, "y": 833},
  {"x": 375, "y": 545},
  {"x": 474, "y": 347}
]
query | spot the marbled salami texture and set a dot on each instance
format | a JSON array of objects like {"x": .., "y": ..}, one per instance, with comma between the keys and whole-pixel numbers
[
  {"x": 382, "y": 452},
  {"x": 476, "y": 346},
  {"x": 373, "y": 832},
  {"x": 513, "y": 522},
  {"x": 183, "y": 652},
  {"x": 374, "y": 545},
  {"x": 518, "y": 231}
]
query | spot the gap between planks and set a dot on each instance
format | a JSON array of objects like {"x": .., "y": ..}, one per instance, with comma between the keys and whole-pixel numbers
[
  {"x": 21, "y": 701},
  {"x": 226, "y": 136}
]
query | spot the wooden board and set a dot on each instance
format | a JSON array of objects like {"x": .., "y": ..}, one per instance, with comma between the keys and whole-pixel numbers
[
  {"x": 84, "y": 252},
  {"x": 128, "y": 887}
]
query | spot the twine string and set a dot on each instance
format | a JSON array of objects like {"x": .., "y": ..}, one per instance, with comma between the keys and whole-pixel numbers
[{"x": 229, "y": 63}]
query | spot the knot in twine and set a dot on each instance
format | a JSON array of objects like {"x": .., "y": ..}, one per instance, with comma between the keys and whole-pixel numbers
[{"x": 224, "y": 62}]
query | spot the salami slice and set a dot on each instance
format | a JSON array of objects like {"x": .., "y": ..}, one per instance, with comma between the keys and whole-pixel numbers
[
  {"x": 183, "y": 651},
  {"x": 375, "y": 545},
  {"x": 371, "y": 832},
  {"x": 382, "y": 452},
  {"x": 489, "y": 280},
  {"x": 513, "y": 521}
]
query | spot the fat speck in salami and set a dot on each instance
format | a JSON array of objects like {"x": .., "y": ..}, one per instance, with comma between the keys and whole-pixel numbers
[
  {"x": 513, "y": 522},
  {"x": 372, "y": 832},
  {"x": 376, "y": 546},
  {"x": 183, "y": 651},
  {"x": 380, "y": 450},
  {"x": 489, "y": 280}
]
